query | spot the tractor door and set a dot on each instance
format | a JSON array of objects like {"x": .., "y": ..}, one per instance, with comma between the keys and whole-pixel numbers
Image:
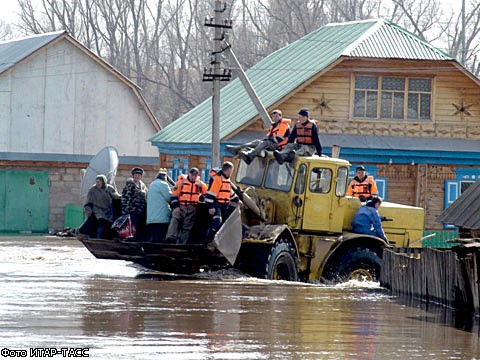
[
  {"x": 298, "y": 199},
  {"x": 318, "y": 199},
  {"x": 339, "y": 201}
]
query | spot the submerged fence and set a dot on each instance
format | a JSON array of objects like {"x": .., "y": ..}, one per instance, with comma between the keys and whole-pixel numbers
[{"x": 449, "y": 277}]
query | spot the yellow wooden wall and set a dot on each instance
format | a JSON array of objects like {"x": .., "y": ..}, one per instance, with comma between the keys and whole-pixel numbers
[
  {"x": 335, "y": 87},
  {"x": 418, "y": 185}
]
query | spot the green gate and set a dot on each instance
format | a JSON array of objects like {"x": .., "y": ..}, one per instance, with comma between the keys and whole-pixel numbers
[{"x": 24, "y": 200}]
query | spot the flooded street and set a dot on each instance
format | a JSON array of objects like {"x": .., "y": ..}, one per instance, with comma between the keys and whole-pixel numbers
[{"x": 55, "y": 294}]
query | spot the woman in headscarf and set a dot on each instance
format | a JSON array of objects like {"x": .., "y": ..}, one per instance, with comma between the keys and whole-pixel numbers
[{"x": 99, "y": 205}]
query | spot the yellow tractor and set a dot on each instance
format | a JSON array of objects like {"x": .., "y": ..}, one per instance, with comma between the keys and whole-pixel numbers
[
  {"x": 300, "y": 227},
  {"x": 295, "y": 225}
]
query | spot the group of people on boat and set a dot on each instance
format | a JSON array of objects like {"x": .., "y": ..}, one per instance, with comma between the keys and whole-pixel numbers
[{"x": 189, "y": 211}]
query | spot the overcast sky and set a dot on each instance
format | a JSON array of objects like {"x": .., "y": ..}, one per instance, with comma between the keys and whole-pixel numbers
[{"x": 10, "y": 7}]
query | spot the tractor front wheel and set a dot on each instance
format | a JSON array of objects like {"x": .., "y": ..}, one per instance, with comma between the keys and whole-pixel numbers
[{"x": 282, "y": 262}]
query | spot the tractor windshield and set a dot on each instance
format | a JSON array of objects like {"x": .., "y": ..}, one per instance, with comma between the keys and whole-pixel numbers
[
  {"x": 279, "y": 177},
  {"x": 251, "y": 174}
]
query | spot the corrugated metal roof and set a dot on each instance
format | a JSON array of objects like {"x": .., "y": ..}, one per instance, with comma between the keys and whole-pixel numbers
[
  {"x": 465, "y": 211},
  {"x": 387, "y": 40},
  {"x": 13, "y": 51},
  {"x": 280, "y": 73}
]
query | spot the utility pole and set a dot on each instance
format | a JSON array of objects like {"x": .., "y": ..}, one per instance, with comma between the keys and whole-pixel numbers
[
  {"x": 216, "y": 74},
  {"x": 248, "y": 87},
  {"x": 463, "y": 33}
]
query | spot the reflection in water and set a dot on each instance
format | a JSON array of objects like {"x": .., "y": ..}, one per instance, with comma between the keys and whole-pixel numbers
[
  {"x": 59, "y": 295},
  {"x": 441, "y": 315}
]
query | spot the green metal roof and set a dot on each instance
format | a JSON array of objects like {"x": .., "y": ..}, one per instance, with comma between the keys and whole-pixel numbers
[
  {"x": 283, "y": 71},
  {"x": 387, "y": 40}
]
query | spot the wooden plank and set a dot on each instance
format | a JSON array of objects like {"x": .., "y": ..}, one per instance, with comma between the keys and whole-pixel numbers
[
  {"x": 454, "y": 82},
  {"x": 328, "y": 89},
  {"x": 339, "y": 95},
  {"x": 476, "y": 282},
  {"x": 410, "y": 65}
]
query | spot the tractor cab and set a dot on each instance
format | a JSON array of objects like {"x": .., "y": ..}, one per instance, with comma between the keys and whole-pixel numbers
[{"x": 307, "y": 194}]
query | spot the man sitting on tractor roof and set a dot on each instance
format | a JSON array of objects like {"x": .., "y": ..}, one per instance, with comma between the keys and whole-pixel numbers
[
  {"x": 276, "y": 139},
  {"x": 362, "y": 186},
  {"x": 303, "y": 141}
]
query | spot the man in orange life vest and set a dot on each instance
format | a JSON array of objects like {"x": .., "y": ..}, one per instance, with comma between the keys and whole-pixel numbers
[
  {"x": 185, "y": 197},
  {"x": 362, "y": 186},
  {"x": 305, "y": 134},
  {"x": 276, "y": 139},
  {"x": 219, "y": 196}
]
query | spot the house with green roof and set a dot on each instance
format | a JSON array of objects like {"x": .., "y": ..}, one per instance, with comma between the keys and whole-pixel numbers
[{"x": 393, "y": 102}]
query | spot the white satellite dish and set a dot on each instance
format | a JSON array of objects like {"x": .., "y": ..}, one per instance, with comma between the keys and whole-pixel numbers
[{"x": 106, "y": 163}]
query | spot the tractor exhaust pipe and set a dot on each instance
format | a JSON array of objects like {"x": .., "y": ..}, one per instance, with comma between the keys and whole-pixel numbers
[{"x": 335, "y": 151}]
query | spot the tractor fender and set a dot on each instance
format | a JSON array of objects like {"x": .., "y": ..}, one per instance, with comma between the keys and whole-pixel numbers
[
  {"x": 271, "y": 234},
  {"x": 349, "y": 240}
]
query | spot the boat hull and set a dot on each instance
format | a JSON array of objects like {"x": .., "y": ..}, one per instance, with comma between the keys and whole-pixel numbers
[{"x": 172, "y": 258}]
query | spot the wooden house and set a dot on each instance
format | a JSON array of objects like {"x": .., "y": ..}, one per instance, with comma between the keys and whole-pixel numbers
[
  {"x": 59, "y": 105},
  {"x": 394, "y": 103}
]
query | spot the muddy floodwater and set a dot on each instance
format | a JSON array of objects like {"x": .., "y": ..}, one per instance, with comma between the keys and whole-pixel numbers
[{"x": 55, "y": 295}]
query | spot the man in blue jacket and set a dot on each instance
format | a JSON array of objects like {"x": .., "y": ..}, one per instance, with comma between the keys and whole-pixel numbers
[
  {"x": 367, "y": 219},
  {"x": 158, "y": 208}
]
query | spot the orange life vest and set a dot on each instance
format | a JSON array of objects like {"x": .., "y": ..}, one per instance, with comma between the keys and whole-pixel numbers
[
  {"x": 220, "y": 189},
  {"x": 188, "y": 193},
  {"x": 278, "y": 130},
  {"x": 365, "y": 188},
  {"x": 305, "y": 133}
]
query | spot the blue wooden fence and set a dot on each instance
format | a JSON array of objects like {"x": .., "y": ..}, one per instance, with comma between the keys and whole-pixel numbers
[{"x": 176, "y": 171}]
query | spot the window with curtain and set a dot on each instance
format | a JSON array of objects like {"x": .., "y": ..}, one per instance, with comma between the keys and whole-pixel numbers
[{"x": 392, "y": 98}]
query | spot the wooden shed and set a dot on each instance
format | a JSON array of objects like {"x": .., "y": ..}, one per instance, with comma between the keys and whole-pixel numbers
[
  {"x": 394, "y": 103},
  {"x": 464, "y": 212},
  {"x": 59, "y": 105}
]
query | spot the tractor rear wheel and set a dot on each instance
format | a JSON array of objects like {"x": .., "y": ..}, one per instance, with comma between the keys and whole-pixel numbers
[
  {"x": 358, "y": 263},
  {"x": 282, "y": 262}
]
